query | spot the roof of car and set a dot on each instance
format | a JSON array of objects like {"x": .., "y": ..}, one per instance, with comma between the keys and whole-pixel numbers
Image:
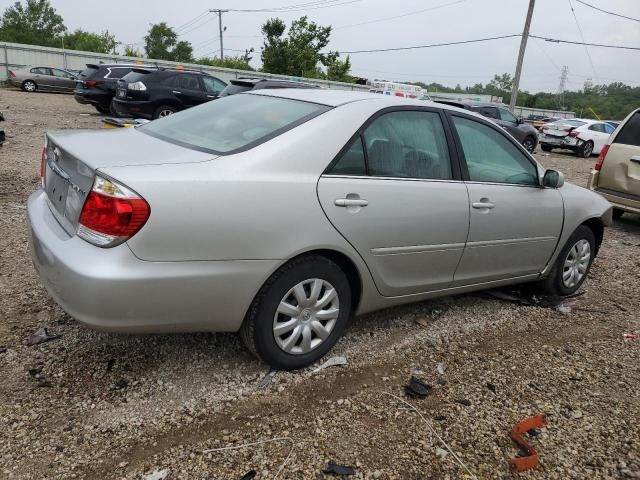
[{"x": 256, "y": 80}]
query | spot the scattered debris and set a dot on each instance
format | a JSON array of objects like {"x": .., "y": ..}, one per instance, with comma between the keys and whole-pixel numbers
[
  {"x": 267, "y": 379},
  {"x": 491, "y": 387},
  {"x": 441, "y": 452},
  {"x": 620, "y": 307},
  {"x": 250, "y": 475},
  {"x": 531, "y": 460},
  {"x": 335, "y": 469},
  {"x": 39, "y": 336},
  {"x": 332, "y": 362},
  {"x": 630, "y": 336},
  {"x": 440, "y": 368},
  {"x": 464, "y": 401},
  {"x": 437, "y": 312},
  {"x": 563, "y": 308},
  {"x": 110, "y": 364},
  {"x": 156, "y": 475},
  {"x": 416, "y": 388},
  {"x": 422, "y": 321},
  {"x": 3, "y": 349},
  {"x": 120, "y": 384}
]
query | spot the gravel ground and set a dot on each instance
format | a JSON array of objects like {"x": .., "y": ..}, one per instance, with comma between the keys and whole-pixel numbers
[{"x": 96, "y": 405}]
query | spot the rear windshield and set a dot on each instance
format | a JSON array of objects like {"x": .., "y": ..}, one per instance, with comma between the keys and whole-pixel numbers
[
  {"x": 87, "y": 73},
  {"x": 133, "y": 76},
  {"x": 630, "y": 133},
  {"x": 236, "y": 122},
  {"x": 232, "y": 89}
]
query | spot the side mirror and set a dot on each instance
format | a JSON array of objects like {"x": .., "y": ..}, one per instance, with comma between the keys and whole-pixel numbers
[{"x": 553, "y": 179}]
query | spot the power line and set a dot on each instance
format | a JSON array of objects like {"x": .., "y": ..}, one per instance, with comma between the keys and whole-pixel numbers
[
  {"x": 604, "y": 45},
  {"x": 301, "y": 6},
  {"x": 586, "y": 50},
  {"x": 414, "y": 47},
  {"x": 415, "y": 12},
  {"x": 206, "y": 22},
  {"x": 190, "y": 22},
  {"x": 608, "y": 12}
]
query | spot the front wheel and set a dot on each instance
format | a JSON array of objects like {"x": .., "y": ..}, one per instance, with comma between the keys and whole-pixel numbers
[
  {"x": 299, "y": 314},
  {"x": 29, "y": 86},
  {"x": 573, "y": 264},
  {"x": 163, "y": 111},
  {"x": 545, "y": 148},
  {"x": 617, "y": 213},
  {"x": 529, "y": 143},
  {"x": 585, "y": 150}
]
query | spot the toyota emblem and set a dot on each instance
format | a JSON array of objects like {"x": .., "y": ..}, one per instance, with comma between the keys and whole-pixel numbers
[{"x": 56, "y": 154}]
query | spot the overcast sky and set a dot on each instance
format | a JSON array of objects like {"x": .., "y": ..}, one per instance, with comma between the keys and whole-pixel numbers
[{"x": 453, "y": 21}]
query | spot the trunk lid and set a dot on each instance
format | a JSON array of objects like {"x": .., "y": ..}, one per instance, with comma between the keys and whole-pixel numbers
[{"x": 72, "y": 158}]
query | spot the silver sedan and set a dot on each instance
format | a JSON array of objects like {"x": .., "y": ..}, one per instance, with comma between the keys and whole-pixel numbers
[
  {"x": 282, "y": 213},
  {"x": 43, "y": 79}
]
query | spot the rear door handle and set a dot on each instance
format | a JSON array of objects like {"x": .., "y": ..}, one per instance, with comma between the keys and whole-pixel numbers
[
  {"x": 635, "y": 158},
  {"x": 481, "y": 205},
  {"x": 176, "y": 92},
  {"x": 351, "y": 202}
]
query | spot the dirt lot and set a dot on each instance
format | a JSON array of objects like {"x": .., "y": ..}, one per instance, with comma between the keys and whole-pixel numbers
[{"x": 95, "y": 405}]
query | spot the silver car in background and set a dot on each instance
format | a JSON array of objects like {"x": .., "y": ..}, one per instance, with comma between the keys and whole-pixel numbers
[
  {"x": 43, "y": 79},
  {"x": 281, "y": 213}
]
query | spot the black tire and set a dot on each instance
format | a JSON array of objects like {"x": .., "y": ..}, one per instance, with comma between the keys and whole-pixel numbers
[
  {"x": 554, "y": 284},
  {"x": 585, "y": 150},
  {"x": 102, "y": 110},
  {"x": 529, "y": 144},
  {"x": 545, "y": 148},
  {"x": 162, "y": 110},
  {"x": 257, "y": 329},
  {"x": 29, "y": 86},
  {"x": 617, "y": 213}
]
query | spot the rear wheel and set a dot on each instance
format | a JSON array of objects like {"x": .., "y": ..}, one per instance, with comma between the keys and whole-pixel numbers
[
  {"x": 529, "y": 143},
  {"x": 29, "y": 86},
  {"x": 585, "y": 150},
  {"x": 617, "y": 213},
  {"x": 164, "y": 111},
  {"x": 545, "y": 148},
  {"x": 299, "y": 314},
  {"x": 573, "y": 263},
  {"x": 103, "y": 110}
]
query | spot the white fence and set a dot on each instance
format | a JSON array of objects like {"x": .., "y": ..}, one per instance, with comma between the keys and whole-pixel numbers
[{"x": 17, "y": 55}]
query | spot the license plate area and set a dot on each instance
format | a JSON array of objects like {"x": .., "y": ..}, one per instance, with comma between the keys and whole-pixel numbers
[
  {"x": 122, "y": 94},
  {"x": 56, "y": 187}
]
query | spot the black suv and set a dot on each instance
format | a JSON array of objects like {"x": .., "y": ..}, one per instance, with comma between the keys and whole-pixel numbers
[
  {"x": 524, "y": 133},
  {"x": 245, "y": 84},
  {"x": 96, "y": 84},
  {"x": 153, "y": 93}
]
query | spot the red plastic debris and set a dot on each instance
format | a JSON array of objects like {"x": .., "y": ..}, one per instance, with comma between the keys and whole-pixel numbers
[{"x": 531, "y": 459}]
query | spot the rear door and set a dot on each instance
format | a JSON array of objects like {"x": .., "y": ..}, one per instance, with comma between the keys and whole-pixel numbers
[
  {"x": 620, "y": 170},
  {"x": 43, "y": 77},
  {"x": 514, "y": 224},
  {"x": 63, "y": 81},
  {"x": 395, "y": 194},
  {"x": 189, "y": 90}
]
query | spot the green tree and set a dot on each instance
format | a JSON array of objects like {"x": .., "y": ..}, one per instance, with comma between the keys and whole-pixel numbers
[
  {"x": 131, "y": 52},
  {"x": 182, "y": 52},
  {"x": 35, "y": 23},
  {"x": 239, "y": 63},
  {"x": 90, "y": 42},
  {"x": 338, "y": 70},
  {"x": 161, "y": 43},
  {"x": 274, "y": 53}
]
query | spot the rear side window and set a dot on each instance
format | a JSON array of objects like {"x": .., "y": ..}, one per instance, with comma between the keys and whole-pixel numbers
[
  {"x": 187, "y": 82},
  {"x": 630, "y": 133},
  {"x": 597, "y": 127},
  {"x": 352, "y": 161},
  {"x": 134, "y": 76},
  {"x": 491, "y": 157},
  {"x": 407, "y": 144},
  {"x": 232, "y": 123},
  {"x": 41, "y": 71},
  {"x": 88, "y": 73}
]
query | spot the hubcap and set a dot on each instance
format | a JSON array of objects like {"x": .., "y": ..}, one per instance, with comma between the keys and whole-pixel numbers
[
  {"x": 29, "y": 86},
  {"x": 165, "y": 113},
  {"x": 576, "y": 263},
  {"x": 305, "y": 316},
  {"x": 528, "y": 145},
  {"x": 587, "y": 150}
]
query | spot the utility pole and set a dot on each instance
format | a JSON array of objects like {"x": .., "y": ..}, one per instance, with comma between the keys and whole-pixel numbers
[
  {"x": 523, "y": 46},
  {"x": 562, "y": 86},
  {"x": 219, "y": 13}
]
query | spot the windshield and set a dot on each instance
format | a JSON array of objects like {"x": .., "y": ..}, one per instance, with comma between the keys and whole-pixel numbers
[
  {"x": 88, "y": 72},
  {"x": 236, "y": 122}
]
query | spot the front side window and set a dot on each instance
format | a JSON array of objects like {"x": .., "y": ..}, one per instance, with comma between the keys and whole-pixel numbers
[
  {"x": 212, "y": 85},
  {"x": 507, "y": 116},
  {"x": 408, "y": 144},
  {"x": 491, "y": 157},
  {"x": 232, "y": 123}
]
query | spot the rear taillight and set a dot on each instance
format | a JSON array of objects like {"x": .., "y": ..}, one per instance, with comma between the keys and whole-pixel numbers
[
  {"x": 603, "y": 154},
  {"x": 11, "y": 74},
  {"x": 111, "y": 214},
  {"x": 91, "y": 83},
  {"x": 43, "y": 162},
  {"x": 139, "y": 86}
]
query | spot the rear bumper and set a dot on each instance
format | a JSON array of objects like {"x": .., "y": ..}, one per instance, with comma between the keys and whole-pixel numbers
[
  {"x": 133, "y": 108},
  {"x": 619, "y": 200},
  {"x": 111, "y": 289},
  {"x": 88, "y": 97},
  {"x": 560, "y": 142}
]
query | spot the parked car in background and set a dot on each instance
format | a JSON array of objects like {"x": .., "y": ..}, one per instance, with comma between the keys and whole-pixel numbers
[
  {"x": 97, "y": 84},
  {"x": 613, "y": 123},
  {"x": 584, "y": 136},
  {"x": 406, "y": 90},
  {"x": 616, "y": 175},
  {"x": 155, "y": 93},
  {"x": 539, "y": 123},
  {"x": 43, "y": 79},
  {"x": 246, "y": 84},
  {"x": 525, "y": 133},
  {"x": 280, "y": 213}
]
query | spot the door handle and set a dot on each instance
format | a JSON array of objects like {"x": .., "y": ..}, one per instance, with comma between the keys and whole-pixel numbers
[
  {"x": 635, "y": 158},
  {"x": 176, "y": 92},
  {"x": 212, "y": 96},
  {"x": 351, "y": 202},
  {"x": 481, "y": 205}
]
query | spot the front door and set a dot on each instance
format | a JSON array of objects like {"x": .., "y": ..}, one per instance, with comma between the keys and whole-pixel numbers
[
  {"x": 394, "y": 196},
  {"x": 514, "y": 224}
]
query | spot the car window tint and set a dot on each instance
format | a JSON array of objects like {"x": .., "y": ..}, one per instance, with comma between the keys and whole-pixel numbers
[
  {"x": 60, "y": 73},
  {"x": 608, "y": 128},
  {"x": 232, "y": 89},
  {"x": 408, "y": 144},
  {"x": 188, "y": 82},
  {"x": 352, "y": 161},
  {"x": 116, "y": 72},
  {"x": 487, "y": 111},
  {"x": 630, "y": 132},
  {"x": 41, "y": 71},
  {"x": 88, "y": 72},
  {"x": 491, "y": 157},
  {"x": 233, "y": 122},
  {"x": 212, "y": 85},
  {"x": 596, "y": 127},
  {"x": 507, "y": 116}
]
